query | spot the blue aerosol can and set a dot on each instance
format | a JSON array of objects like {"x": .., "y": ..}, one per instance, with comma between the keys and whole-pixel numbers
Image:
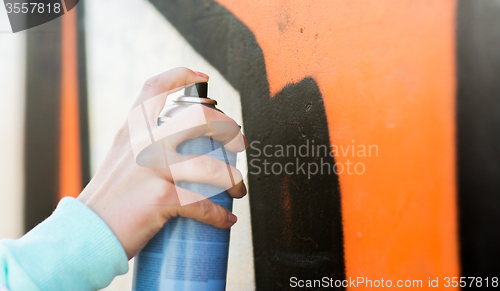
[{"x": 187, "y": 254}]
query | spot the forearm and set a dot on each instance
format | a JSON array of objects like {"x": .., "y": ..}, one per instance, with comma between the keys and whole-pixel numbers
[{"x": 71, "y": 250}]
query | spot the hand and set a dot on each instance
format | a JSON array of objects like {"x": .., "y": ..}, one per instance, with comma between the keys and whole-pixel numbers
[{"x": 136, "y": 202}]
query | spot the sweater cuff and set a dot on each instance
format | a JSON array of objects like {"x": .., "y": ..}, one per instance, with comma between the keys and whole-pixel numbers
[{"x": 73, "y": 249}]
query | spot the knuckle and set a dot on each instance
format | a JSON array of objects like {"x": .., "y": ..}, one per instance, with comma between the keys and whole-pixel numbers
[
  {"x": 151, "y": 82},
  {"x": 236, "y": 175},
  {"x": 183, "y": 73},
  {"x": 210, "y": 166},
  {"x": 221, "y": 217},
  {"x": 168, "y": 188},
  {"x": 206, "y": 208},
  {"x": 160, "y": 190},
  {"x": 182, "y": 70}
]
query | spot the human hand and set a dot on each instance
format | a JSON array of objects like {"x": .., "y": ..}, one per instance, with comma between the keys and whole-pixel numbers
[{"x": 135, "y": 202}]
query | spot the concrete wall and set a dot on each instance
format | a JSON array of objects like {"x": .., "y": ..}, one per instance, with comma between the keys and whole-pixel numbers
[
  {"x": 12, "y": 82},
  {"x": 413, "y": 83}
]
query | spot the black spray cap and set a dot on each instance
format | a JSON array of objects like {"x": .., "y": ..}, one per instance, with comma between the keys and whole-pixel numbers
[{"x": 197, "y": 90}]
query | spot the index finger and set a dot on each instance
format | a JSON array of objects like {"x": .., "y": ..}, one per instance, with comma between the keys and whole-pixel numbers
[
  {"x": 142, "y": 119},
  {"x": 162, "y": 85}
]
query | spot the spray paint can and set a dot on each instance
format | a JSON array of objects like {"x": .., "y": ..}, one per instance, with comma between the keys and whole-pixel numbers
[{"x": 187, "y": 254}]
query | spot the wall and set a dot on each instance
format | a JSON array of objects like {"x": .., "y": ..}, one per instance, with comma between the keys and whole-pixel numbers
[
  {"x": 344, "y": 73},
  {"x": 412, "y": 83},
  {"x": 12, "y": 82}
]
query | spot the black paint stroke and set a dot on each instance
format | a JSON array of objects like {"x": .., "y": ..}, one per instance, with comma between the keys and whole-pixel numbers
[
  {"x": 296, "y": 221},
  {"x": 41, "y": 142},
  {"x": 478, "y": 134}
]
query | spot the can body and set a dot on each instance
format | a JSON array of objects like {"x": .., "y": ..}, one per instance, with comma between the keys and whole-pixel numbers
[{"x": 187, "y": 254}]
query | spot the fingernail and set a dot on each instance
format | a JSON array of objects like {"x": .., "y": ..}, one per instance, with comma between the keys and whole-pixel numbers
[
  {"x": 232, "y": 218},
  {"x": 244, "y": 190},
  {"x": 202, "y": 75}
]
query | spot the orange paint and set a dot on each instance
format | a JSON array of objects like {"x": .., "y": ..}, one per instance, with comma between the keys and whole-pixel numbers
[
  {"x": 70, "y": 165},
  {"x": 386, "y": 70}
]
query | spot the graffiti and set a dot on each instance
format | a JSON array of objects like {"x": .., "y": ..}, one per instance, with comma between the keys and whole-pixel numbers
[
  {"x": 375, "y": 83},
  {"x": 390, "y": 75}
]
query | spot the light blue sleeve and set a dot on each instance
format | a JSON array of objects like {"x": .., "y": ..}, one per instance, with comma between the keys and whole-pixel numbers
[{"x": 73, "y": 249}]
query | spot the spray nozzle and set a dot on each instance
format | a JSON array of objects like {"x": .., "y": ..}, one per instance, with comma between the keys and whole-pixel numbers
[{"x": 197, "y": 90}]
